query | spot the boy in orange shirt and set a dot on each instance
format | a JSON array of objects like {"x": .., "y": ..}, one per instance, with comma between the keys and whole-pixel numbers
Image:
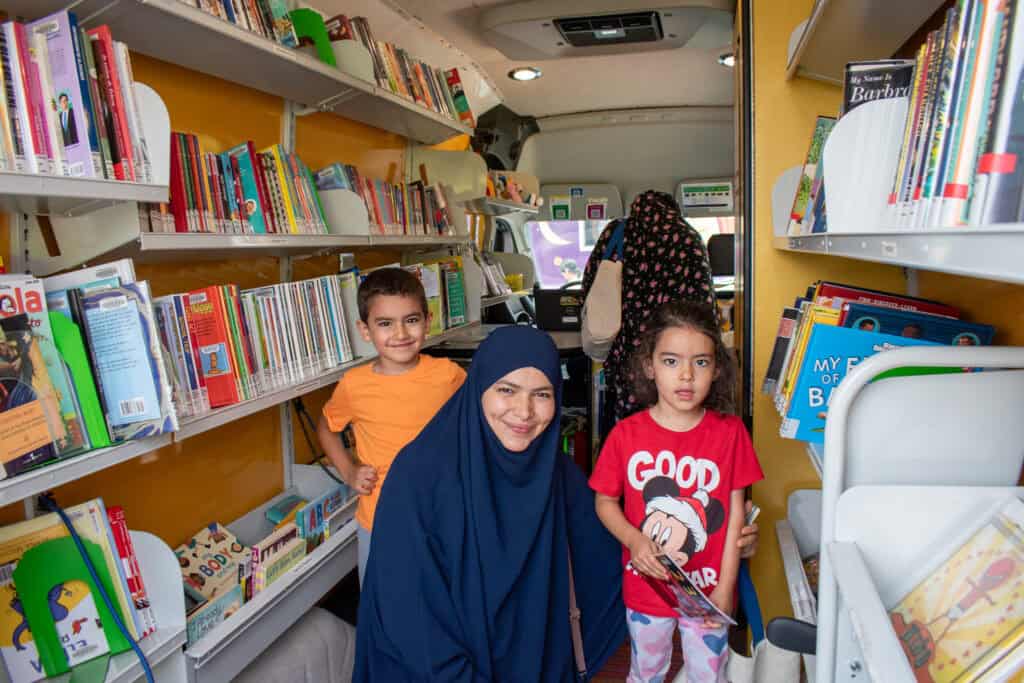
[{"x": 389, "y": 401}]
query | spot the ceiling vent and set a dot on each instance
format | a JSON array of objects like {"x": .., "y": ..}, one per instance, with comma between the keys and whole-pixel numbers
[
  {"x": 530, "y": 30},
  {"x": 611, "y": 29}
]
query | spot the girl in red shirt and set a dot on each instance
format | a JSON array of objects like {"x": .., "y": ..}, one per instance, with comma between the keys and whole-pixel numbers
[{"x": 679, "y": 468}]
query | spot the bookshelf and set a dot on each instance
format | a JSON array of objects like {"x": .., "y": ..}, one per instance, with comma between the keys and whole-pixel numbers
[
  {"x": 797, "y": 537},
  {"x": 175, "y": 32},
  {"x": 492, "y": 206},
  {"x": 234, "y": 643},
  {"x": 155, "y": 247},
  {"x": 489, "y": 301},
  {"x": 36, "y": 193},
  {"x": 52, "y": 476},
  {"x": 841, "y": 31}
]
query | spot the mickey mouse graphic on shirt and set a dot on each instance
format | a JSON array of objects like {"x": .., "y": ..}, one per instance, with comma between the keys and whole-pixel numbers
[{"x": 679, "y": 524}]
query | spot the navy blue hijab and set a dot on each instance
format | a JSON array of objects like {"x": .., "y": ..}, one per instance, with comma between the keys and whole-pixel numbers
[{"x": 468, "y": 576}]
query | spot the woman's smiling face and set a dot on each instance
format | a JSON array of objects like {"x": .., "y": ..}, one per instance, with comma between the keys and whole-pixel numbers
[{"x": 518, "y": 407}]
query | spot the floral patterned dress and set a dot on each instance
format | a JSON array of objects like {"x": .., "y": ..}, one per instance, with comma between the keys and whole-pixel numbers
[{"x": 664, "y": 259}]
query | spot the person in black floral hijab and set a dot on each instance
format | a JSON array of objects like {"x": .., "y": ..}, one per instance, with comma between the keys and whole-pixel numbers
[{"x": 664, "y": 259}]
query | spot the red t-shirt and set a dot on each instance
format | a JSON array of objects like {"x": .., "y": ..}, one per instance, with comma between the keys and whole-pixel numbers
[{"x": 677, "y": 488}]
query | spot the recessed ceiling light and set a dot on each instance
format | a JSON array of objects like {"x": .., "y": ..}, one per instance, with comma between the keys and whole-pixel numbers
[
  {"x": 728, "y": 60},
  {"x": 524, "y": 73}
]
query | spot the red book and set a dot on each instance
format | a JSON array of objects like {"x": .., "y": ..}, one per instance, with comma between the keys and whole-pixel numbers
[
  {"x": 207, "y": 323},
  {"x": 179, "y": 198},
  {"x": 835, "y": 295},
  {"x": 35, "y": 100},
  {"x": 103, "y": 49},
  {"x": 261, "y": 187},
  {"x": 132, "y": 571},
  {"x": 195, "y": 160}
]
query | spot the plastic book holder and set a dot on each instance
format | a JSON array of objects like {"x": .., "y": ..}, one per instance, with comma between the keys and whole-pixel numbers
[{"x": 43, "y": 567}]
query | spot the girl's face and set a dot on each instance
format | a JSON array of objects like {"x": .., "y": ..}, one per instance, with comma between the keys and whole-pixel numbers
[
  {"x": 518, "y": 407},
  {"x": 683, "y": 369}
]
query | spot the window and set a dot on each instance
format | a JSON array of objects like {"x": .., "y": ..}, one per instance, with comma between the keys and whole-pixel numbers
[
  {"x": 560, "y": 249},
  {"x": 713, "y": 226}
]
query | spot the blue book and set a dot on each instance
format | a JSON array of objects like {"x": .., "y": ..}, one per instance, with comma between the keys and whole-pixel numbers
[
  {"x": 934, "y": 328},
  {"x": 243, "y": 155},
  {"x": 332, "y": 177},
  {"x": 831, "y": 353},
  {"x": 130, "y": 373}
]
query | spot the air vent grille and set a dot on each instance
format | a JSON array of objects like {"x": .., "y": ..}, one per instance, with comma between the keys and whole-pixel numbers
[{"x": 611, "y": 29}]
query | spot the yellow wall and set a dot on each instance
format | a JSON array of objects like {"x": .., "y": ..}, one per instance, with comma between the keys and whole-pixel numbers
[
  {"x": 222, "y": 474},
  {"x": 784, "y": 114}
]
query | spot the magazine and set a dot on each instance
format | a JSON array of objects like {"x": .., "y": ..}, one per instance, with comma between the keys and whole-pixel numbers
[{"x": 690, "y": 600}]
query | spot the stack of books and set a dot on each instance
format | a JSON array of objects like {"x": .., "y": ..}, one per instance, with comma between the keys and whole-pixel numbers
[{"x": 832, "y": 328}]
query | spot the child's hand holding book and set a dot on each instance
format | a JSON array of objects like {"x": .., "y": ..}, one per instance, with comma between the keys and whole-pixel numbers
[{"x": 643, "y": 554}]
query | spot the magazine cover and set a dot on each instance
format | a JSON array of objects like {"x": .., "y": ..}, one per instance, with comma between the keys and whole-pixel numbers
[
  {"x": 964, "y": 616},
  {"x": 689, "y": 599}
]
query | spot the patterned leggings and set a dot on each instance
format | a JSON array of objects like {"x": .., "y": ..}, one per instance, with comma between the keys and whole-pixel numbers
[{"x": 704, "y": 650}]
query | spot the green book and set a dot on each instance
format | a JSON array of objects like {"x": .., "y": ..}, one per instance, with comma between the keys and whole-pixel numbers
[{"x": 70, "y": 345}]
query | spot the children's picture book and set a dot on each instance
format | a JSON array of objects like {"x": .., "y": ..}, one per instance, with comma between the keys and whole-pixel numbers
[
  {"x": 29, "y": 413},
  {"x": 802, "y": 200},
  {"x": 689, "y": 600},
  {"x": 24, "y": 294},
  {"x": 835, "y": 295},
  {"x": 203, "y": 617},
  {"x": 209, "y": 562},
  {"x": 831, "y": 353},
  {"x": 938, "y": 329},
  {"x": 963, "y": 617}
]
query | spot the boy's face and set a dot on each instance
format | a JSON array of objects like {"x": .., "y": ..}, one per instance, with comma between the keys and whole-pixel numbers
[{"x": 397, "y": 327}]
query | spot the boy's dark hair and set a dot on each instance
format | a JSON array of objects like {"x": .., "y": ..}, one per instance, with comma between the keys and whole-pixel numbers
[
  {"x": 697, "y": 316},
  {"x": 389, "y": 282}
]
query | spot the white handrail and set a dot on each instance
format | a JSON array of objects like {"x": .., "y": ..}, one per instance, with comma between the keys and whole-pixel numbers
[{"x": 840, "y": 407}]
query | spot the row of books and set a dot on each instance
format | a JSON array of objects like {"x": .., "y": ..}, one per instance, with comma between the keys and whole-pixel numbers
[
  {"x": 239, "y": 191},
  {"x": 959, "y": 162},
  {"x": 69, "y": 106},
  {"x": 228, "y": 345},
  {"x": 220, "y": 573},
  {"x": 414, "y": 208},
  {"x": 267, "y": 18},
  {"x": 832, "y": 328},
  {"x": 81, "y": 366},
  {"x": 75, "y": 610},
  {"x": 396, "y": 70},
  {"x": 90, "y": 359}
]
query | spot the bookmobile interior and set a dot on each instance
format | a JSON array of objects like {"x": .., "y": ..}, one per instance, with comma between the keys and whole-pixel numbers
[{"x": 559, "y": 115}]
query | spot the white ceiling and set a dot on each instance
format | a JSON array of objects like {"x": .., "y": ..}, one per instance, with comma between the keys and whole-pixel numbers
[{"x": 662, "y": 78}]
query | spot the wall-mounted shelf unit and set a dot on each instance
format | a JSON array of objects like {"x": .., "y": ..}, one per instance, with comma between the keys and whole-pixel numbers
[
  {"x": 157, "y": 247},
  {"x": 228, "y": 649},
  {"x": 38, "y": 193},
  {"x": 489, "y": 301},
  {"x": 493, "y": 206},
  {"x": 990, "y": 252},
  {"x": 841, "y": 31},
  {"x": 183, "y": 34},
  {"x": 60, "y": 473}
]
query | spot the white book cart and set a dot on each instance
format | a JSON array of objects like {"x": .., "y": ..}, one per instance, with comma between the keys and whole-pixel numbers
[{"x": 907, "y": 460}]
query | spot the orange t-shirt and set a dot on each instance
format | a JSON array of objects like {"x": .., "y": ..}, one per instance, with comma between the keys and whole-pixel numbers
[{"x": 387, "y": 412}]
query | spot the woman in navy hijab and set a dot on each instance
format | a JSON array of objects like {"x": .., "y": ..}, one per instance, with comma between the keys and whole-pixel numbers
[{"x": 468, "y": 577}]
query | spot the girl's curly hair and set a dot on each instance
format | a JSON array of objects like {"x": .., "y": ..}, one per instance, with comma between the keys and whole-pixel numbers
[{"x": 696, "y": 316}]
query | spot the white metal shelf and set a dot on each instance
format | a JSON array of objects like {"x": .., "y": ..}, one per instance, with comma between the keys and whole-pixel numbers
[
  {"x": 489, "y": 301},
  {"x": 65, "y": 471},
  {"x": 800, "y": 597},
  {"x": 176, "y": 32},
  {"x": 42, "y": 194},
  {"x": 493, "y": 206},
  {"x": 158, "y": 646},
  {"x": 226, "y": 650},
  {"x": 991, "y": 252},
  {"x": 816, "y": 454},
  {"x": 841, "y": 31},
  {"x": 61, "y": 472},
  {"x": 417, "y": 240}
]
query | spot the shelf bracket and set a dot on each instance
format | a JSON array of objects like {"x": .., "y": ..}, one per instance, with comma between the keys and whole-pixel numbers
[
  {"x": 101, "y": 10},
  {"x": 331, "y": 102},
  {"x": 285, "y": 409}
]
